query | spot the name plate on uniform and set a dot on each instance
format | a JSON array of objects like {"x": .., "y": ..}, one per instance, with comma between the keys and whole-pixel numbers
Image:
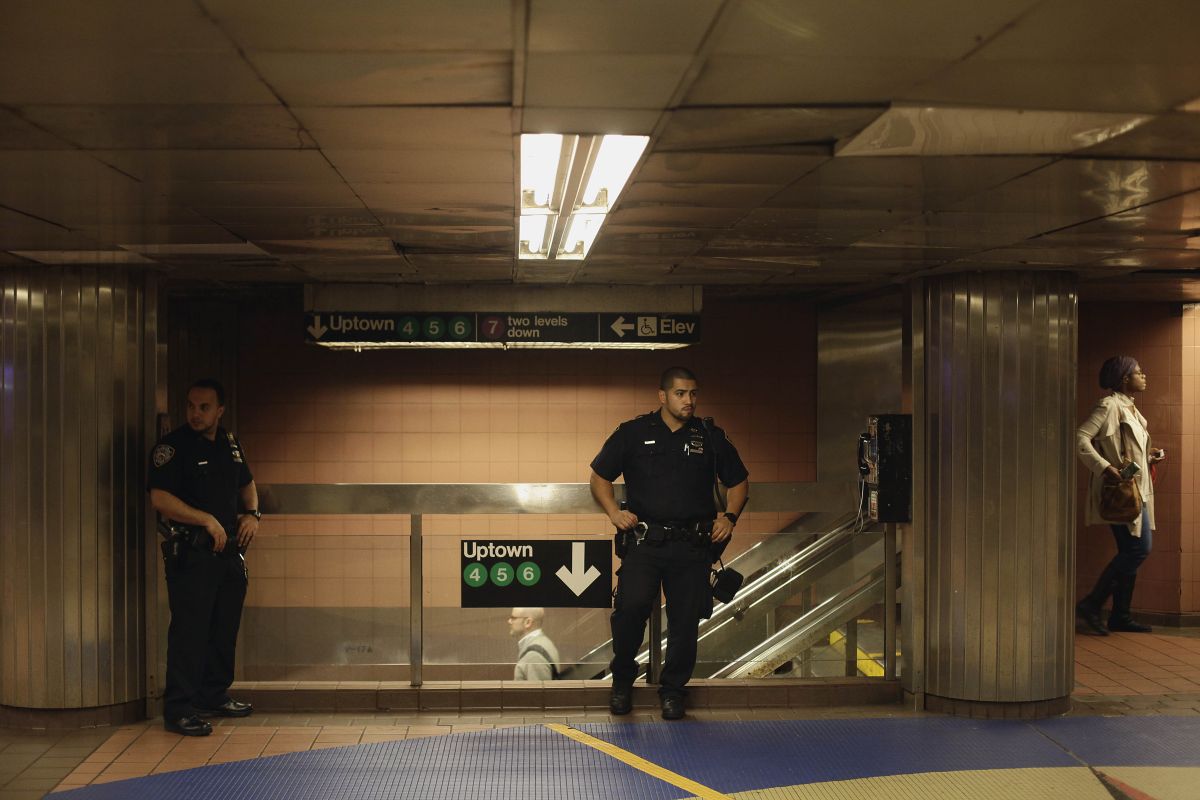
[{"x": 551, "y": 573}]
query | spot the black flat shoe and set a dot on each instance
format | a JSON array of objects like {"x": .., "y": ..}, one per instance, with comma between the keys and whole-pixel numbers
[
  {"x": 1128, "y": 626},
  {"x": 672, "y": 707},
  {"x": 188, "y": 726},
  {"x": 231, "y": 709},
  {"x": 620, "y": 701},
  {"x": 1091, "y": 619}
]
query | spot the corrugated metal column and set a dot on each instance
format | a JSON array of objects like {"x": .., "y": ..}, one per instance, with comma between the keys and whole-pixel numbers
[
  {"x": 998, "y": 407},
  {"x": 71, "y": 491}
]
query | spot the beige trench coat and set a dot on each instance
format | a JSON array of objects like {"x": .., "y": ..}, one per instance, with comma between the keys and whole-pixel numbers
[{"x": 1098, "y": 444}]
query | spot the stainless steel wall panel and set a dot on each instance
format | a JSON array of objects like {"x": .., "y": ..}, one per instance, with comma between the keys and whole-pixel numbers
[
  {"x": 71, "y": 487},
  {"x": 997, "y": 405}
]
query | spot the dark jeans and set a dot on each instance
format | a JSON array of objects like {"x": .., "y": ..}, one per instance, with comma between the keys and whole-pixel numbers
[
  {"x": 206, "y": 595},
  {"x": 682, "y": 570},
  {"x": 1131, "y": 550}
]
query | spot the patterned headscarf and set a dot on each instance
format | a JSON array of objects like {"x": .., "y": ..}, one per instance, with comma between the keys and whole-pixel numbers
[{"x": 1115, "y": 370}]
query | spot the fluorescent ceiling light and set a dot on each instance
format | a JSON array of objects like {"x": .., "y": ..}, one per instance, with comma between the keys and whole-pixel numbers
[
  {"x": 569, "y": 184},
  {"x": 581, "y": 232},
  {"x": 534, "y": 232},
  {"x": 614, "y": 163},
  {"x": 540, "y": 155}
]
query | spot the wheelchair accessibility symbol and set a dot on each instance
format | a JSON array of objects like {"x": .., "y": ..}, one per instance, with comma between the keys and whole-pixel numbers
[{"x": 647, "y": 326}]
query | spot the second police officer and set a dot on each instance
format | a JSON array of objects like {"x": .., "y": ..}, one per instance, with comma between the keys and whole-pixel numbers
[
  {"x": 670, "y": 460},
  {"x": 198, "y": 478}
]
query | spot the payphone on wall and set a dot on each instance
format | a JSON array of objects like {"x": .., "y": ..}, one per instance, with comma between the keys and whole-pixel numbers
[{"x": 885, "y": 467}]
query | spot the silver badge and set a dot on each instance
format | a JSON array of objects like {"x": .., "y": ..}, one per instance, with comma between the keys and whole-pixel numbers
[{"x": 162, "y": 454}]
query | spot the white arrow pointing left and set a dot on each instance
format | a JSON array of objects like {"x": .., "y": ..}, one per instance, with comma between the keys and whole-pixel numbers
[
  {"x": 619, "y": 326},
  {"x": 577, "y": 578},
  {"x": 317, "y": 329}
]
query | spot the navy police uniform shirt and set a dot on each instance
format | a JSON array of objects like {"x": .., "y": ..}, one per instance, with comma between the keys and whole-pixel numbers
[
  {"x": 669, "y": 475},
  {"x": 206, "y": 475}
]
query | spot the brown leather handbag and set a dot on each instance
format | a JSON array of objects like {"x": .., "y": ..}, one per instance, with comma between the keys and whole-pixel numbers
[{"x": 1121, "y": 500}]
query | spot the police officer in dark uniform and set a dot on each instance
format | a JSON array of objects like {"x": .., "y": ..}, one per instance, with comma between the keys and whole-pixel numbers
[
  {"x": 198, "y": 477},
  {"x": 670, "y": 460}
]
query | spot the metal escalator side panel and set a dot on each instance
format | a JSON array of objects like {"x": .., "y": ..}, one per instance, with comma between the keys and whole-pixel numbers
[{"x": 807, "y": 630}]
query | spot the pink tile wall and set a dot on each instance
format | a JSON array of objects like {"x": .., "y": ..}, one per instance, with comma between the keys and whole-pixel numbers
[
  {"x": 309, "y": 415},
  {"x": 1154, "y": 333}
]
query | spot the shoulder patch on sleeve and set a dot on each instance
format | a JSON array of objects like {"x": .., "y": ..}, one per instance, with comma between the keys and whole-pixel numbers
[{"x": 162, "y": 454}]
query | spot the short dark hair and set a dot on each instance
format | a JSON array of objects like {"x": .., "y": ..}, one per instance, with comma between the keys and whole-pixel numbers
[
  {"x": 671, "y": 374},
  {"x": 211, "y": 383},
  {"x": 1115, "y": 370}
]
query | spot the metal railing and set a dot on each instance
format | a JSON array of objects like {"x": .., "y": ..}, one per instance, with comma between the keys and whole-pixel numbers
[{"x": 417, "y": 500}]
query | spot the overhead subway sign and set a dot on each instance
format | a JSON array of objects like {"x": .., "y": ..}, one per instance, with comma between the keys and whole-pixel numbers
[{"x": 502, "y": 329}]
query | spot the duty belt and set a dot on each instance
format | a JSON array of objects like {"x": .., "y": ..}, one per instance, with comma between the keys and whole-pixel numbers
[{"x": 657, "y": 533}]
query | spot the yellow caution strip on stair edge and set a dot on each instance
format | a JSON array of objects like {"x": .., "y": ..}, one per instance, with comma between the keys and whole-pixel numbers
[{"x": 638, "y": 763}]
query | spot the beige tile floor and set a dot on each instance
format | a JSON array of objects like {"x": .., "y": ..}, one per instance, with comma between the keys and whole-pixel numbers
[{"x": 1123, "y": 674}]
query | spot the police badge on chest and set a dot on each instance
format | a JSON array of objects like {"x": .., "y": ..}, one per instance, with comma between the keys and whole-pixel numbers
[{"x": 694, "y": 445}]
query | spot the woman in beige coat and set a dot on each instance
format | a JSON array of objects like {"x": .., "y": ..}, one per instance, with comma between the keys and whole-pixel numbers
[{"x": 1116, "y": 427}]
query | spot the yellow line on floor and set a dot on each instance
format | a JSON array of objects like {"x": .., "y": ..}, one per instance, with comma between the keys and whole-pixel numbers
[{"x": 639, "y": 763}]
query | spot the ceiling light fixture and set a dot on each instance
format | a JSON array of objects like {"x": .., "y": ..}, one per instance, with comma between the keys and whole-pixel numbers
[{"x": 568, "y": 186}]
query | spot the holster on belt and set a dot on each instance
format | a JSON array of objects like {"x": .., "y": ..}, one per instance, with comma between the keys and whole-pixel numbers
[{"x": 179, "y": 540}]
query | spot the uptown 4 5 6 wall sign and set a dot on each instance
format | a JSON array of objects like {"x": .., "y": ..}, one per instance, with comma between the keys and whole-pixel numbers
[{"x": 552, "y": 573}]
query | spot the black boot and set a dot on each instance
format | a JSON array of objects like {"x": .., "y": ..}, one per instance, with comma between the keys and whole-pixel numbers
[
  {"x": 1088, "y": 609},
  {"x": 1120, "y": 620}
]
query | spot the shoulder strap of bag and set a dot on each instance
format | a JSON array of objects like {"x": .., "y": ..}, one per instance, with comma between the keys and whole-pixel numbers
[{"x": 541, "y": 651}]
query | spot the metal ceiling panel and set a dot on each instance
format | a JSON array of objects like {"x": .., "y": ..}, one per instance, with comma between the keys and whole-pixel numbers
[
  {"x": 602, "y": 80},
  {"x": 677, "y": 216},
  {"x": 741, "y": 127},
  {"x": 1152, "y": 259},
  {"x": 944, "y": 29},
  {"x": 798, "y": 80},
  {"x": 366, "y": 25},
  {"x": 392, "y": 78},
  {"x": 491, "y": 238},
  {"x": 120, "y": 75},
  {"x": 385, "y": 197},
  {"x": 1091, "y": 85},
  {"x": 937, "y": 182},
  {"x": 374, "y": 246},
  {"x": 149, "y": 127},
  {"x": 639, "y": 244},
  {"x": 1166, "y": 136},
  {"x": 905, "y": 130},
  {"x": 619, "y": 26},
  {"x": 424, "y": 166},
  {"x": 722, "y": 167},
  {"x": 717, "y": 195},
  {"x": 67, "y": 25},
  {"x": 22, "y": 232},
  {"x": 1156, "y": 32},
  {"x": 135, "y": 234},
  {"x": 18, "y": 134},
  {"x": 189, "y": 165},
  {"x": 409, "y": 128},
  {"x": 273, "y": 194},
  {"x": 627, "y": 121}
]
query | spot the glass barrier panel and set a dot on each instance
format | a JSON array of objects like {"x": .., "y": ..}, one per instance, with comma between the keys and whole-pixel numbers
[
  {"x": 482, "y": 643},
  {"x": 328, "y": 600}
]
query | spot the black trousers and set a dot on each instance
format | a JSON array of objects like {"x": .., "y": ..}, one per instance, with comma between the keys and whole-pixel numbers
[
  {"x": 682, "y": 570},
  {"x": 206, "y": 595}
]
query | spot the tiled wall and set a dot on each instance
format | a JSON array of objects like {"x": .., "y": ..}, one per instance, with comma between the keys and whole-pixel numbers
[
  {"x": 1155, "y": 334},
  {"x": 308, "y": 415},
  {"x": 1185, "y": 465}
]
